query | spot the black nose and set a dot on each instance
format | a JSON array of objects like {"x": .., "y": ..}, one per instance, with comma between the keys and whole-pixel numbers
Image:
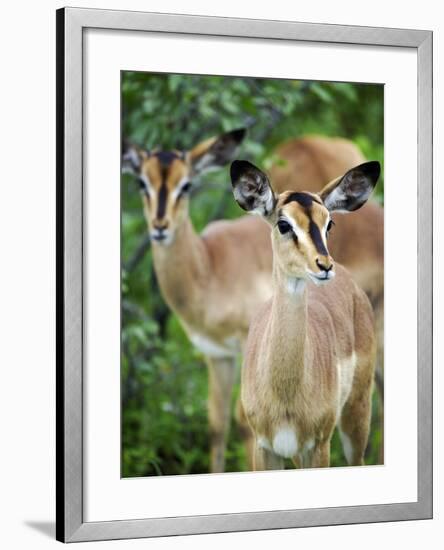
[{"x": 323, "y": 267}]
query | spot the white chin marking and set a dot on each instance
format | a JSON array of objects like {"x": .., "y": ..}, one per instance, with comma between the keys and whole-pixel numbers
[
  {"x": 163, "y": 242},
  {"x": 285, "y": 443},
  {"x": 319, "y": 282}
]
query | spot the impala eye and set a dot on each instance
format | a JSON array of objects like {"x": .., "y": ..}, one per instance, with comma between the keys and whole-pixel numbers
[
  {"x": 330, "y": 225},
  {"x": 185, "y": 187},
  {"x": 284, "y": 227},
  {"x": 142, "y": 184}
]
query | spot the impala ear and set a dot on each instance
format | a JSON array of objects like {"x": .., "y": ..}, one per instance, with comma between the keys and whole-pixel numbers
[
  {"x": 216, "y": 151},
  {"x": 351, "y": 191},
  {"x": 251, "y": 188},
  {"x": 132, "y": 158}
]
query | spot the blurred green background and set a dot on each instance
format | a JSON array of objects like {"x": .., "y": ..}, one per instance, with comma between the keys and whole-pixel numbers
[{"x": 164, "y": 379}]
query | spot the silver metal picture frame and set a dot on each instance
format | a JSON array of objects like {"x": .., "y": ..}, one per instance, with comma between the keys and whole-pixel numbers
[{"x": 71, "y": 24}]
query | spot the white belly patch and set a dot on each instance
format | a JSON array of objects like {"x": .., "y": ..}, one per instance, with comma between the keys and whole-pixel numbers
[
  {"x": 285, "y": 443},
  {"x": 346, "y": 371}
]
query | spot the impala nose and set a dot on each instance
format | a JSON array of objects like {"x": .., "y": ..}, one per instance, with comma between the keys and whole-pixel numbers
[
  {"x": 159, "y": 232},
  {"x": 324, "y": 266}
]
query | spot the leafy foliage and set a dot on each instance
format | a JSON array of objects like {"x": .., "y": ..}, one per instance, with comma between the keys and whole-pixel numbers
[{"x": 164, "y": 379}]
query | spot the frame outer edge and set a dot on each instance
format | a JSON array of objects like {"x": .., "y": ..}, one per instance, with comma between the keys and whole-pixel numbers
[
  {"x": 251, "y": 28},
  {"x": 258, "y": 521},
  {"x": 69, "y": 502},
  {"x": 73, "y": 275},
  {"x": 60, "y": 325},
  {"x": 425, "y": 276}
]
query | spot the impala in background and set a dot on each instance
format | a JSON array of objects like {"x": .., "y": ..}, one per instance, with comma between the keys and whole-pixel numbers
[
  {"x": 310, "y": 355},
  {"x": 213, "y": 282}
]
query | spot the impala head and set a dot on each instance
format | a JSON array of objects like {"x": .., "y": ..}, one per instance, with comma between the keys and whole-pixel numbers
[
  {"x": 301, "y": 220},
  {"x": 166, "y": 179}
]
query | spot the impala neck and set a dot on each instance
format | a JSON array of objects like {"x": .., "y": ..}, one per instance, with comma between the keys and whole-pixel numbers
[
  {"x": 287, "y": 336},
  {"x": 182, "y": 269}
]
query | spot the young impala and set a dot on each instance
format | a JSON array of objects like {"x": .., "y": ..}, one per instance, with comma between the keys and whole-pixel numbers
[
  {"x": 214, "y": 281},
  {"x": 309, "y": 360},
  {"x": 357, "y": 242}
]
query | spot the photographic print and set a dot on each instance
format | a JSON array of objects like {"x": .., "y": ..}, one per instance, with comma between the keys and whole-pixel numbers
[
  {"x": 228, "y": 261},
  {"x": 250, "y": 342}
]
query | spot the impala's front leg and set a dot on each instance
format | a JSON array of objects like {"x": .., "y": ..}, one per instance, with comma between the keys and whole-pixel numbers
[
  {"x": 267, "y": 460},
  {"x": 246, "y": 434},
  {"x": 321, "y": 455},
  {"x": 221, "y": 376}
]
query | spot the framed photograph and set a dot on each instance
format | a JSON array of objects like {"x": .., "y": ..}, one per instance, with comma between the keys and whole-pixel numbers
[{"x": 221, "y": 357}]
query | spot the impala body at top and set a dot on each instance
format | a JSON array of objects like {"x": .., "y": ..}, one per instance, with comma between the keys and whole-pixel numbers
[{"x": 310, "y": 356}]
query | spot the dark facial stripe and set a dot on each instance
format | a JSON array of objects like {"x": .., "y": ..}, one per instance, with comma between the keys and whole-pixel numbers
[
  {"x": 162, "y": 200},
  {"x": 304, "y": 199},
  {"x": 166, "y": 157},
  {"x": 315, "y": 235}
]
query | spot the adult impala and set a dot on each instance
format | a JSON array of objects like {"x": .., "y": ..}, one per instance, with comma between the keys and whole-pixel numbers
[
  {"x": 310, "y": 355},
  {"x": 214, "y": 281}
]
